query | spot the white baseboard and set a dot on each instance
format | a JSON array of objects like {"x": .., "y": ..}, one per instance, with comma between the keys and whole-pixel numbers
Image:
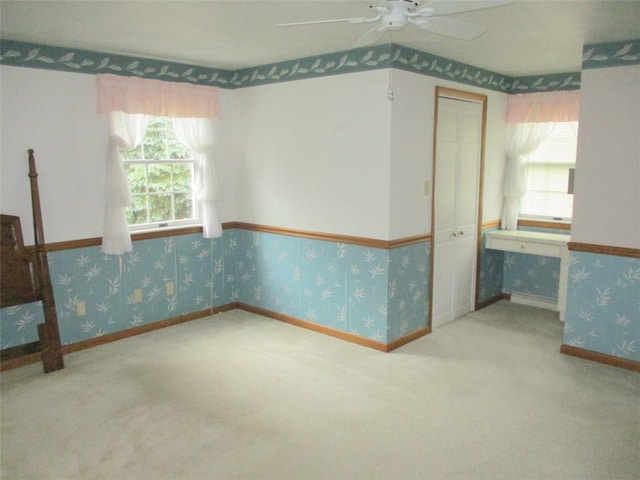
[{"x": 535, "y": 301}]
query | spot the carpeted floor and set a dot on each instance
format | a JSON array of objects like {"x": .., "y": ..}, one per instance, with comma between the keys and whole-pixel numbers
[{"x": 238, "y": 396}]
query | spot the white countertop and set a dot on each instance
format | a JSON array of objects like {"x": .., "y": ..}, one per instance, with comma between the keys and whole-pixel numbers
[{"x": 526, "y": 236}]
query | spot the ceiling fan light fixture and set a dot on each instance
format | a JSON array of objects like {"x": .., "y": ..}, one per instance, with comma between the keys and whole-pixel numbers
[{"x": 395, "y": 21}]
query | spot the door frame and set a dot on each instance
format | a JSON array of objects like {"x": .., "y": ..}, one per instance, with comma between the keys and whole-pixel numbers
[{"x": 478, "y": 98}]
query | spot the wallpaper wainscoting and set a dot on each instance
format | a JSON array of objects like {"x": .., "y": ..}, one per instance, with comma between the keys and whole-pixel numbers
[
  {"x": 106, "y": 284},
  {"x": 373, "y": 293},
  {"x": 491, "y": 264},
  {"x": 603, "y": 304},
  {"x": 533, "y": 274}
]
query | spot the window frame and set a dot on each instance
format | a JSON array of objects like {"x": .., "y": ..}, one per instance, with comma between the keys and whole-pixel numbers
[
  {"x": 196, "y": 220},
  {"x": 565, "y": 165}
]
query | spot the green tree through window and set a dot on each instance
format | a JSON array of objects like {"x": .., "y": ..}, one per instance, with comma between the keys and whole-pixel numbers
[{"x": 161, "y": 178}]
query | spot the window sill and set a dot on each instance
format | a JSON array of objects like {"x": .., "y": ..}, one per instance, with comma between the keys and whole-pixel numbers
[
  {"x": 165, "y": 232},
  {"x": 557, "y": 224}
]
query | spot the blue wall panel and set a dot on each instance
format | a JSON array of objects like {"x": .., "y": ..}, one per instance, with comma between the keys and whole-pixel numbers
[
  {"x": 341, "y": 286},
  {"x": 603, "y": 304}
]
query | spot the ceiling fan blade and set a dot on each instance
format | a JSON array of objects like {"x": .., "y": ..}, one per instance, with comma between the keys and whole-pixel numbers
[
  {"x": 337, "y": 20},
  {"x": 370, "y": 37},
  {"x": 449, "y": 7},
  {"x": 449, "y": 27}
]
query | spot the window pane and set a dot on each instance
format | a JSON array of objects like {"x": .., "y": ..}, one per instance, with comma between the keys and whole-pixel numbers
[
  {"x": 182, "y": 177},
  {"x": 548, "y": 175},
  {"x": 159, "y": 177},
  {"x": 136, "y": 174},
  {"x": 184, "y": 206},
  {"x": 559, "y": 146},
  {"x": 556, "y": 205},
  {"x": 137, "y": 212},
  {"x": 160, "y": 208},
  {"x": 154, "y": 146}
]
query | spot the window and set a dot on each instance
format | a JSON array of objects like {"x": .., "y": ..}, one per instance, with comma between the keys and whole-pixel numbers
[
  {"x": 160, "y": 173},
  {"x": 548, "y": 172}
]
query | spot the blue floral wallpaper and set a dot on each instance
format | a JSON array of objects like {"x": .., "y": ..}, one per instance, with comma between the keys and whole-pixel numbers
[
  {"x": 491, "y": 265},
  {"x": 408, "y": 300},
  {"x": 105, "y": 284},
  {"x": 533, "y": 274},
  {"x": 603, "y": 304},
  {"x": 377, "y": 294}
]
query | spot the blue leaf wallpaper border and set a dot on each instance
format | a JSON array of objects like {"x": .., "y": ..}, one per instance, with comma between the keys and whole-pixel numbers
[
  {"x": 33, "y": 55},
  {"x": 612, "y": 54}
]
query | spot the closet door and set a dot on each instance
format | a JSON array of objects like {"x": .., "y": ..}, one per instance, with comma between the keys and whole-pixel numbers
[{"x": 458, "y": 152}]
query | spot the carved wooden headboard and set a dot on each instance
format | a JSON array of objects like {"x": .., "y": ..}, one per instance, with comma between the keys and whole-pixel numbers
[
  {"x": 18, "y": 280},
  {"x": 25, "y": 276}
]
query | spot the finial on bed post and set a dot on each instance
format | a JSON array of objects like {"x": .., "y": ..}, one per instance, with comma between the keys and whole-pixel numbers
[{"x": 32, "y": 165}]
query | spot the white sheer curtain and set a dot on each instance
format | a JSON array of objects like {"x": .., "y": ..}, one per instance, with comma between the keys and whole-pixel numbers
[
  {"x": 129, "y": 102},
  {"x": 198, "y": 135},
  {"x": 126, "y": 131},
  {"x": 524, "y": 139},
  {"x": 530, "y": 118}
]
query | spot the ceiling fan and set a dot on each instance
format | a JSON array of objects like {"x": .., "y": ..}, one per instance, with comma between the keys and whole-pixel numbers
[{"x": 427, "y": 15}]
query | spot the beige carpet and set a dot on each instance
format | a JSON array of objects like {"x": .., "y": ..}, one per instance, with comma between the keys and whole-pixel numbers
[{"x": 238, "y": 396}]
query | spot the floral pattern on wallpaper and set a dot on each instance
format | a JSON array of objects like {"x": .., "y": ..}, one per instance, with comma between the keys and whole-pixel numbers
[
  {"x": 491, "y": 265},
  {"x": 603, "y": 304},
  {"x": 408, "y": 299},
  {"x": 19, "y": 324},
  {"x": 336, "y": 285},
  {"x": 378, "y": 294},
  {"x": 106, "y": 284},
  {"x": 533, "y": 274}
]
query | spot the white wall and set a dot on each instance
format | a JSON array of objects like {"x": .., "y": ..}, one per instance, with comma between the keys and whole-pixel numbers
[
  {"x": 331, "y": 154},
  {"x": 314, "y": 154},
  {"x": 412, "y": 151},
  {"x": 54, "y": 113},
  {"x": 607, "y": 181}
]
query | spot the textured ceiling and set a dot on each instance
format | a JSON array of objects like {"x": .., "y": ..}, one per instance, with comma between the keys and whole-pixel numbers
[{"x": 529, "y": 37}]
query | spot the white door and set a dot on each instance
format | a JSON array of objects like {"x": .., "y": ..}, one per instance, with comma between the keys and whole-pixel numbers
[{"x": 456, "y": 186}]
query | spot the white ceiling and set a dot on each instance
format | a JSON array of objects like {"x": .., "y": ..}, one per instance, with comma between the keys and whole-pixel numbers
[{"x": 529, "y": 37}]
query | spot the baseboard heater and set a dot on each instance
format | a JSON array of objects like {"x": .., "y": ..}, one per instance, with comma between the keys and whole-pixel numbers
[{"x": 535, "y": 301}]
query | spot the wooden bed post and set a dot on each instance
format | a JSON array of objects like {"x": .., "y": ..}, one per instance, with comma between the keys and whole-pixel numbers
[{"x": 48, "y": 331}]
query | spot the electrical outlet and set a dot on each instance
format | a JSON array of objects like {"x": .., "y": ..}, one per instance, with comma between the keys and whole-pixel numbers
[
  {"x": 170, "y": 289},
  {"x": 137, "y": 295},
  {"x": 427, "y": 188},
  {"x": 81, "y": 309}
]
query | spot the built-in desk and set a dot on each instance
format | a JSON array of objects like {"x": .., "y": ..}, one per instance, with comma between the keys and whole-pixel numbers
[{"x": 536, "y": 243}]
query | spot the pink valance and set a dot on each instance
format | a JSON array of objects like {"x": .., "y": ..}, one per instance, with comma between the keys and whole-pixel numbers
[
  {"x": 544, "y": 107},
  {"x": 155, "y": 97}
]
